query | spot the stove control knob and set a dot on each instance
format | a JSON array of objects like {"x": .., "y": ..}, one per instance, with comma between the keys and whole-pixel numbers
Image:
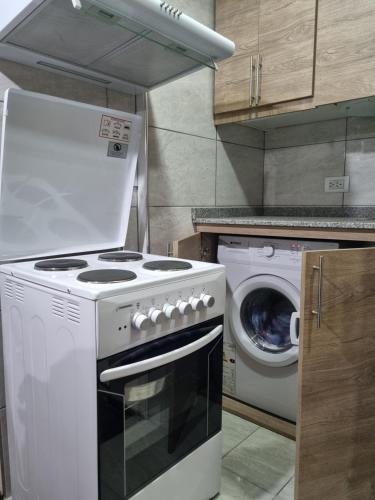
[
  {"x": 171, "y": 311},
  {"x": 140, "y": 321},
  {"x": 269, "y": 251},
  {"x": 156, "y": 315},
  {"x": 184, "y": 307},
  {"x": 208, "y": 300},
  {"x": 196, "y": 303}
]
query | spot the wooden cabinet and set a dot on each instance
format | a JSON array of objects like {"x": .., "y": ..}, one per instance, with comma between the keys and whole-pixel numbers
[
  {"x": 345, "y": 52},
  {"x": 312, "y": 52},
  {"x": 274, "y": 55},
  {"x": 234, "y": 78},
  {"x": 336, "y": 409},
  {"x": 286, "y": 48},
  {"x": 336, "y": 421}
]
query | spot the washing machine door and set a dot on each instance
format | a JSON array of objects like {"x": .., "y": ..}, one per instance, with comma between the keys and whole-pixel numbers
[{"x": 263, "y": 312}]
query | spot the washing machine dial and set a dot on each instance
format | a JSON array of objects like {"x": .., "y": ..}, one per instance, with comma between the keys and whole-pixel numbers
[
  {"x": 141, "y": 322},
  {"x": 196, "y": 303},
  {"x": 171, "y": 311},
  {"x": 184, "y": 307},
  {"x": 269, "y": 251},
  {"x": 208, "y": 300},
  {"x": 156, "y": 315}
]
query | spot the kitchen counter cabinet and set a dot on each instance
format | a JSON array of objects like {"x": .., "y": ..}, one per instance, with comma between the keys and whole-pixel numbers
[{"x": 335, "y": 436}]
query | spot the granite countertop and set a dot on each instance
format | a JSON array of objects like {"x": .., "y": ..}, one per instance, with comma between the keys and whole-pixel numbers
[{"x": 285, "y": 221}]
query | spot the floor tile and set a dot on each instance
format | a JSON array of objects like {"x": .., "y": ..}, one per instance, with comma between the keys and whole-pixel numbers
[
  {"x": 234, "y": 487},
  {"x": 287, "y": 493},
  {"x": 235, "y": 430},
  {"x": 264, "y": 459}
]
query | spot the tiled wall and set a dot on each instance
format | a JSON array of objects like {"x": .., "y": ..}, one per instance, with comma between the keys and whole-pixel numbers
[
  {"x": 17, "y": 75},
  {"x": 298, "y": 158},
  {"x": 191, "y": 163}
]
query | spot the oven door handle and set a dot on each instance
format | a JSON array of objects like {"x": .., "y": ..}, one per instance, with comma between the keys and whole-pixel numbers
[{"x": 163, "y": 359}]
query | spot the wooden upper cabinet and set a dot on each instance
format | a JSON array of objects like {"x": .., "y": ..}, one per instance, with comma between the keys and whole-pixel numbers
[
  {"x": 336, "y": 420},
  {"x": 345, "y": 55},
  {"x": 287, "y": 31},
  {"x": 237, "y": 20},
  {"x": 279, "y": 37}
]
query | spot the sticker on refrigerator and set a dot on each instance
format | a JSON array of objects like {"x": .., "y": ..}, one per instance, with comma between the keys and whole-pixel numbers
[
  {"x": 115, "y": 129},
  {"x": 229, "y": 368}
]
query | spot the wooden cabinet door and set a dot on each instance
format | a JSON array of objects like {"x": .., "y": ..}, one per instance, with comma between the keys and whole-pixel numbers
[
  {"x": 237, "y": 20},
  {"x": 336, "y": 420},
  {"x": 345, "y": 56},
  {"x": 287, "y": 31}
]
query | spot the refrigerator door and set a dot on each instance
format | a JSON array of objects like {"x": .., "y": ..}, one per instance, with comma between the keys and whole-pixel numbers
[{"x": 67, "y": 176}]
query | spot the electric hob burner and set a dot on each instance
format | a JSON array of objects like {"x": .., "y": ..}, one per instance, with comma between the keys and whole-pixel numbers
[
  {"x": 103, "y": 276},
  {"x": 120, "y": 256},
  {"x": 60, "y": 264},
  {"x": 167, "y": 265}
]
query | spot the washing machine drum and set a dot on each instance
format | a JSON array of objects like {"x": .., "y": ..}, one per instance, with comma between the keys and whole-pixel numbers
[{"x": 263, "y": 312}]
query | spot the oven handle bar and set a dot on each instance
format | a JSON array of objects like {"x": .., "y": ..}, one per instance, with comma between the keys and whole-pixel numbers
[{"x": 163, "y": 359}]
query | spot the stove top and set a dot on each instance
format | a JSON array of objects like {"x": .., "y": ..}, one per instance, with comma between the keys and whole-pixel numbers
[
  {"x": 167, "y": 265},
  {"x": 120, "y": 256},
  {"x": 60, "y": 264},
  {"x": 105, "y": 275}
]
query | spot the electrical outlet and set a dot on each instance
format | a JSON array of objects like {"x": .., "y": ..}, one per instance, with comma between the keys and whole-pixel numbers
[{"x": 336, "y": 184}]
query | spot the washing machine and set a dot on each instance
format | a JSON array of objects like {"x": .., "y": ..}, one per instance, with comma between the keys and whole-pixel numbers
[{"x": 262, "y": 319}]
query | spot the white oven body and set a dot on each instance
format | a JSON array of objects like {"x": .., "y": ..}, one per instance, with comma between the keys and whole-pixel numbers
[{"x": 53, "y": 342}]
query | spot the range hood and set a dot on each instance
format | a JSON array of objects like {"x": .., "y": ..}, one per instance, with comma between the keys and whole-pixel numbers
[{"x": 129, "y": 45}]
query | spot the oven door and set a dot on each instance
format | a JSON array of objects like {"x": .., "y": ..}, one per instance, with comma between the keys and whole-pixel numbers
[{"x": 156, "y": 404}]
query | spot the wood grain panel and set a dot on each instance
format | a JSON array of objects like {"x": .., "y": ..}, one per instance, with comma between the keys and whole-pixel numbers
[
  {"x": 345, "y": 59},
  {"x": 287, "y": 46},
  {"x": 237, "y": 20},
  {"x": 336, "y": 421},
  {"x": 288, "y": 232}
]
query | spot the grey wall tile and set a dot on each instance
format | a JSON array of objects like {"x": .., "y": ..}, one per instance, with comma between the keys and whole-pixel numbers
[
  {"x": 311, "y": 133},
  {"x": 295, "y": 176},
  {"x": 181, "y": 169},
  {"x": 361, "y": 127},
  {"x": 360, "y": 166},
  {"x": 185, "y": 105},
  {"x": 168, "y": 224},
  {"x": 239, "y": 179},
  {"x": 38, "y": 80},
  {"x": 238, "y": 134},
  {"x": 5, "y": 453},
  {"x": 132, "y": 236},
  {"x": 120, "y": 101}
]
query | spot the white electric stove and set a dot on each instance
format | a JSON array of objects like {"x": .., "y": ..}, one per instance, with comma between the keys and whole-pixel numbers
[{"x": 113, "y": 359}]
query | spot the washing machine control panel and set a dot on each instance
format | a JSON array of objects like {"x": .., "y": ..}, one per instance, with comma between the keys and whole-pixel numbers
[{"x": 283, "y": 252}]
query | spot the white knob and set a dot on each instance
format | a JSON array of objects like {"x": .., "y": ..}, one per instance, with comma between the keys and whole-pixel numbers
[
  {"x": 171, "y": 311},
  {"x": 208, "y": 300},
  {"x": 196, "y": 303},
  {"x": 140, "y": 321},
  {"x": 268, "y": 251},
  {"x": 156, "y": 315},
  {"x": 184, "y": 307}
]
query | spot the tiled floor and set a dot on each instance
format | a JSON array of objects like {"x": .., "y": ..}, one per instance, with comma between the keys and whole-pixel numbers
[{"x": 257, "y": 464}]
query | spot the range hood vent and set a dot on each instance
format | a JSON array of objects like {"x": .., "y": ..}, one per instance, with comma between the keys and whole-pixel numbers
[{"x": 134, "y": 45}]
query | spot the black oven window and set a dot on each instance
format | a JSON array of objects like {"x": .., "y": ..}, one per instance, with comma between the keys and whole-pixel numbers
[{"x": 150, "y": 421}]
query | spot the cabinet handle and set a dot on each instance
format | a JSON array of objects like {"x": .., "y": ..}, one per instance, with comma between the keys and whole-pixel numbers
[
  {"x": 318, "y": 311},
  {"x": 251, "y": 97},
  {"x": 258, "y": 68}
]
